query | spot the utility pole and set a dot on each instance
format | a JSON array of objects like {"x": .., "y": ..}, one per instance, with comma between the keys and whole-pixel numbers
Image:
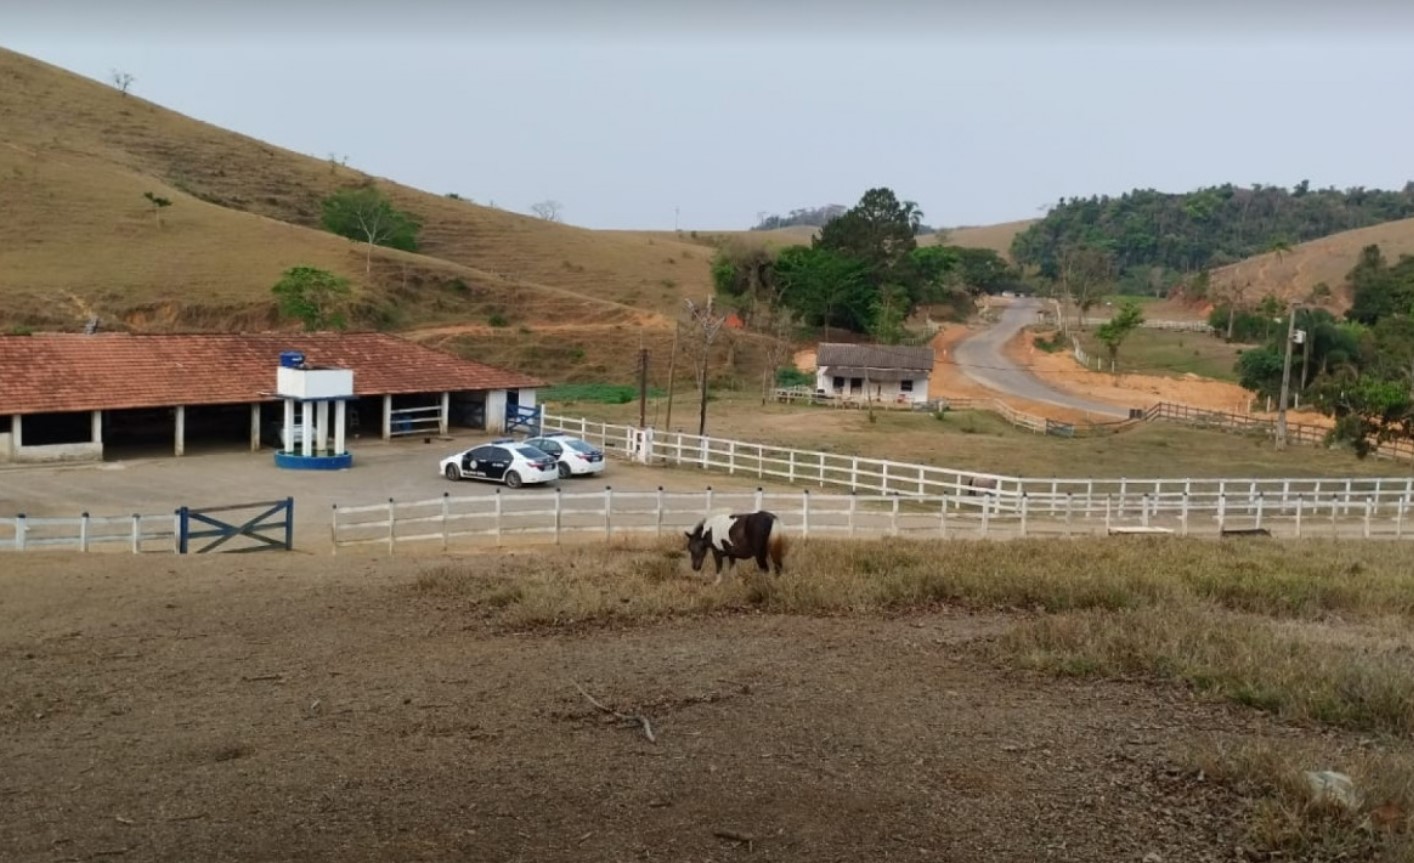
[
  {"x": 642, "y": 387},
  {"x": 1286, "y": 378}
]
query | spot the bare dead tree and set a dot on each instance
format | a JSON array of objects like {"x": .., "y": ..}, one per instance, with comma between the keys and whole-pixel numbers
[
  {"x": 547, "y": 210},
  {"x": 704, "y": 325},
  {"x": 122, "y": 80},
  {"x": 778, "y": 351}
]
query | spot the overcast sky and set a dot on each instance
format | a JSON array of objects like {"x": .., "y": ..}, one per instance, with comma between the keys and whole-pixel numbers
[{"x": 626, "y": 112}]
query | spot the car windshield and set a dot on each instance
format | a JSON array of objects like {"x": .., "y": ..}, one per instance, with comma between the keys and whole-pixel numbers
[
  {"x": 580, "y": 446},
  {"x": 531, "y": 452}
]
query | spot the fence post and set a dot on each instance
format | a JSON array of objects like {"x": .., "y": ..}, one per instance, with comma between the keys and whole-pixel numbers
[
  {"x": 760, "y": 461},
  {"x": 1183, "y": 515},
  {"x": 1261, "y": 496},
  {"x": 658, "y": 519},
  {"x": 708, "y": 511},
  {"x": 392, "y": 521},
  {"x": 943, "y": 519},
  {"x": 731, "y": 458},
  {"x": 805, "y": 512},
  {"x": 182, "y": 526},
  {"x": 1123, "y": 486},
  {"x": 1069, "y": 506},
  {"x": 791, "y": 470},
  {"x": 853, "y": 501},
  {"x": 986, "y": 514},
  {"x": 1222, "y": 509},
  {"x": 884, "y": 477},
  {"x": 1369, "y": 510},
  {"x": 853, "y": 473},
  {"x": 758, "y": 497},
  {"x": 893, "y": 518},
  {"x": 1285, "y": 493},
  {"x": 558, "y": 510},
  {"x": 20, "y": 530},
  {"x": 1144, "y": 509},
  {"x": 289, "y": 523},
  {"x": 1023, "y": 515},
  {"x": 1399, "y": 517},
  {"x": 83, "y": 534},
  {"x": 498, "y": 514},
  {"x": 608, "y": 512},
  {"x": 1299, "y": 507},
  {"x": 446, "y": 511},
  {"x": 334, "y": 530},
  {"x": 137, "y": 532}
]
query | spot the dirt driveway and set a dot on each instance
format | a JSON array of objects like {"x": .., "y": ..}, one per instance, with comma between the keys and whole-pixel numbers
[
  {"x": 403, "y": 470},
  {"x": 291, "y": 708}
]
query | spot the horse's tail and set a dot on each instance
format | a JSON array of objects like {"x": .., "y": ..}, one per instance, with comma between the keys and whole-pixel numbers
[{"x": 776, "y": 542}]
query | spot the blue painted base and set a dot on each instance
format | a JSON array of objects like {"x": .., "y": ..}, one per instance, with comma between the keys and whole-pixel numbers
[{"x": 295, "y": 461}]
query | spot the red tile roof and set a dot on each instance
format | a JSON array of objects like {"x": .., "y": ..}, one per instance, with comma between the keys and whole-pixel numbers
[{"x": 52, "y": 372}]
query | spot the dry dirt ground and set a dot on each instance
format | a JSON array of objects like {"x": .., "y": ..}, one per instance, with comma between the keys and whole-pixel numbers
[{"x": 287, "y": 707}]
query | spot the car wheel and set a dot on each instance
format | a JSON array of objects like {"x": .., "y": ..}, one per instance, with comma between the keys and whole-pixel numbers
[
  {"x": 453, "y": 473},
  {"x": 513, "y": 479},
  {"x": 564, "y": 471}
]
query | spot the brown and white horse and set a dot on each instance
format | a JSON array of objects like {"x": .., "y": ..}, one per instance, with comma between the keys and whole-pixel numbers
[{"x": 737, "y": 536}]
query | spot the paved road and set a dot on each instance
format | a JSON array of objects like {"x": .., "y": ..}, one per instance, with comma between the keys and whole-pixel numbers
[{"x": 981, "y": 358}]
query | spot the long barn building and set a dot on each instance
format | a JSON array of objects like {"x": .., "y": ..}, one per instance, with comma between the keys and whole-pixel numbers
[{"x": 69, "y": 396}]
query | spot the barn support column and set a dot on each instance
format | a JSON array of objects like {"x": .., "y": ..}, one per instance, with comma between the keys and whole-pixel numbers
[
  {"x": 306, "y": 443},
  {"x": 96, "y": 435},
  {"x": 339, "y": 412},
  {"x": 181, "y": 436},
  {"x": 444, "y": 418},
  {"x": 287, "y": 439},
  {"x": 387, "y": 417},
  {"x": 322, "y": 419},
  {"x": 16, "y": 432},
  {"x": 255, "y": 427}
]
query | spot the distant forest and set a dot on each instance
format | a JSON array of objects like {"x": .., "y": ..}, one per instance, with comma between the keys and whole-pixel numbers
[
  {"x": 815, "y": 217},
  {"x": 1210, "y": 227}
]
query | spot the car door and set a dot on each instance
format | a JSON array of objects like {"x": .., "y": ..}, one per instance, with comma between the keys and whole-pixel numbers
[
  {"x": 549, "y": 447},
  {"x": 478, "y": 460},
  {"x": 497, "y": 462}
]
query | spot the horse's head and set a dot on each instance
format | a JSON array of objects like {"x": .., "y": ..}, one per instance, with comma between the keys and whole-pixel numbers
[{"x": 697, "y": 542}]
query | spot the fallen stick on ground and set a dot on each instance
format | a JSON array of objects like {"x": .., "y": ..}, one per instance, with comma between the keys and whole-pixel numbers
[
  {"x": 734, "y": 836},
  {"x": 626, "y": 717}
]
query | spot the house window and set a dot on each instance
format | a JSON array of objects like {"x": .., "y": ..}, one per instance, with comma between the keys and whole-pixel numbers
[
  {"x": 856, "y": 384},
  {"x": 905, "y": 386},
  {"x": 839, "y": 383}
]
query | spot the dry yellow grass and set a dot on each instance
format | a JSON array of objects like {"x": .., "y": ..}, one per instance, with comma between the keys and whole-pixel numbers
[
  {"x": 1292, "y": 275},
  {"x": 76, "y": 156}
]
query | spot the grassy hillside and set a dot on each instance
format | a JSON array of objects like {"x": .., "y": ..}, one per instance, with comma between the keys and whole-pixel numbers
[
  {"x": 996, "y": 237},
  {"x": 1293, "y": 274},
  {"x": 76, "y": 156}
]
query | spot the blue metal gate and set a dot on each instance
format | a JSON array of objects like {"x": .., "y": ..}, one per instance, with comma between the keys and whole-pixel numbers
[
  {"x": 523, "y": 419},
  {"x": 254, "y": 528}
]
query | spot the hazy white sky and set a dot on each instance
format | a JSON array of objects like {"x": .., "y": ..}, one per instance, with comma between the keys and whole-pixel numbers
[{"x": 623, "y": 112}]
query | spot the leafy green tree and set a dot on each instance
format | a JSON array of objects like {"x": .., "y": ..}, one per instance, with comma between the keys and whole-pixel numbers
[
  {"x": 984, "y": 271},
  {"x": 364, "y": 214},
  {"x": 1086, "y": 272},
  {"x": 745, "y": 278},
  {"x": 1118, "y": 328},
  {"x": 158, "y": 205},
  {"x": 315, "y": 297},
  {"x": 1368, "y": 411},
  {"x": 1378, "y": 289},
  {"x": 889, "y": 313},
  {"x": 880, "y": 232},
  {"x": 826, "y": 288}
]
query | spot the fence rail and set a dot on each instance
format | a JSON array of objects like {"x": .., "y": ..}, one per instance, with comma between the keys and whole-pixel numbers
[
  {"x": 868, "y": 475},
  {"x": 137, "y": 532},
  {"x": 559, "y": 517}
]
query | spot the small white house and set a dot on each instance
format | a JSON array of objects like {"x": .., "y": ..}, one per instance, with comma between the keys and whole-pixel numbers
[{"x": 880, "y": 373}]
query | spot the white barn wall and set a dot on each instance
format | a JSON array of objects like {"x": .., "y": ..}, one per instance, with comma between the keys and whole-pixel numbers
[{"x": 889, "y": 391}]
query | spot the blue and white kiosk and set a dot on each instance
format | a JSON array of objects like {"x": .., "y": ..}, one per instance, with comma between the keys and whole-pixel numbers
[{"x": 307, "y": 392}]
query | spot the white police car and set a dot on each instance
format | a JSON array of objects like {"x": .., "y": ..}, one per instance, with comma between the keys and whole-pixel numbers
[
  {"x": 576, "y": 457},
  {"x": 501, "y": 460}
]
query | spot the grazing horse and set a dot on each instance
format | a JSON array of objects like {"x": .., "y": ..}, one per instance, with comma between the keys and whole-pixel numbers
[{"x": 737, "y": 536}]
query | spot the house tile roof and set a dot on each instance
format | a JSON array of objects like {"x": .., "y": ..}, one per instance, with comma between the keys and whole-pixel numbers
[
  {"x": 843, "y": 356},
  {"x": 53, "y": 372}
]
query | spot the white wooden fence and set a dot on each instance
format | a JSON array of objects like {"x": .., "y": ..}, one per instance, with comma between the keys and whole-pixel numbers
[
  {"x": 136, "y": 533},
  {"x": 557, "y": 516},
  {"x": 882, "y": 476}
]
